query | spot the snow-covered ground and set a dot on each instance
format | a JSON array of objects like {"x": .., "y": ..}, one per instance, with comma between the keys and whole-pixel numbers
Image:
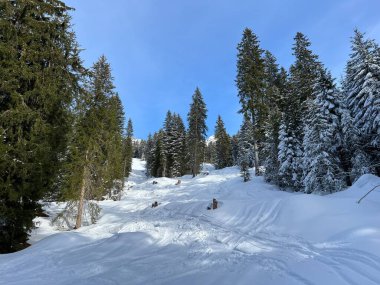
[{"x": 259, "y": 235}]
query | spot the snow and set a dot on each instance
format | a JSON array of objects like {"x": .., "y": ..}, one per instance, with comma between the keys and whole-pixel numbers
[
  {"x": 210, "y": 139},
  {"x": 136, "y": 140},
  {"x": 258, "y": 235}
]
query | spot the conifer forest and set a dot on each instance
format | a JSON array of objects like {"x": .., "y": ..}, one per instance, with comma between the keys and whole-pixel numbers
[{"x": 66, "y": 140}]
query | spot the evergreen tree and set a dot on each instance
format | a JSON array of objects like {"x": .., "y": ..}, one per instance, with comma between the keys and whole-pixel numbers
[
  {"x": 149, "y": 158},
  {"x": 178, "y": 147},
  {"x": 40, "y": 72},
  {"x": 347, "y": 136},
  {"x": 223, "y": 156},
  {"x": 289, "y": 154},
  {"x": 210, "y": 152},
  {"x": 322, "y": 172},
  {"x": 197, "y": 132},
  {"x": 250, "y": 83},
  {"x": 274, "y": 84},
  {"x": 114, "y": 146},
  {"x": 303, "y": 74},
  {"x": 246, "y": 151},
  {"x": 93, "y": 159},
  {"x": 234, "y": 149},
  {"x": 167, "y": 144},
  {"x": 138, "y": 146},
  {"x": 362, "y": 91},
  {"x": 158, "y": 155},
  {"x": 128, "y": 149},
  {"x": 173, "y": 146}
]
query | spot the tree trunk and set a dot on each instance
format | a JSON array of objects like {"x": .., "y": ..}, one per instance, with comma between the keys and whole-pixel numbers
[
  {"x": 81, "y": 200},
  {"x": 257, "y": 163},
  {"x": 124, "y": 169},
  {"x": 164, "y": 170},
  {"x": 255, "y": 148},
  {"x": 82, "y": 193}
]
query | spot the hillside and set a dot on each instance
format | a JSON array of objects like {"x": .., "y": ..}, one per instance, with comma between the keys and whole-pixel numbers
[{"x": 258, "y": 235}]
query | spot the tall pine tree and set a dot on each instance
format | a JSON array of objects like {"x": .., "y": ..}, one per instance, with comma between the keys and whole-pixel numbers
[
  {"x": 95, "y": 151},
  {"x": 197, "y": 132},
  {"x": 178, "y": 147},
  {"x": 246, "y": 150},
  {"x": 39, "y": 73},
  {"x": 321, "y": 165},
  {"x": 303, "y": 74},
  {"x": 362, "y": 90},
  {"x": 250, "y": 84},
  {"x": 223, "y": 151},
  {"x": 128, "y": 150},
  {"x": 275, "y": 82}
]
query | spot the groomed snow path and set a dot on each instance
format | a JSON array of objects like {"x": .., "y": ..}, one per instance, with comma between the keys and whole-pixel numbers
[{"x": 259, "y": 235}]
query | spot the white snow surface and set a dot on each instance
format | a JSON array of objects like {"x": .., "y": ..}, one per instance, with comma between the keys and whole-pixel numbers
[
  {"x": 258, "y": 235},
  {"x": 210, "y": 139}
]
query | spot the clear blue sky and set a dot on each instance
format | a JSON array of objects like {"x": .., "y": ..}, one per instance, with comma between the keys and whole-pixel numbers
[{"x": 161, "y": 50}]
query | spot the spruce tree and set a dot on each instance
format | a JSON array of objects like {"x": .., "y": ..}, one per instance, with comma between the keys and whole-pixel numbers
[
  {"x": 223, "y": 152},
  {"x": 114, "y": 175},
  {"x": 40, "y": 72},
  {"x": 167, "y": 144},
  {"x": 138, "y": 146},
  {"x": 289, "y": 154},
  {"x": 275, "y": 82},
  {"x": 93, "y": 159},
  {"x": 158, "y": 155},
  {"x": 362, "y": 90},
  {"x": 250, "y": 84},
  {"x": 196, "y": 132},
  {"x": 128, "y": 150},
  {"x": 246, "y": 150},
  {"x": 178, "y": 147},
  {"x": 321, "y": 165},
  {"x": 210, "y": 152},
  {"x": 303, "y": 74},
  {"x": 149, "y": 158},
  {"x": 234, "y": 149}
]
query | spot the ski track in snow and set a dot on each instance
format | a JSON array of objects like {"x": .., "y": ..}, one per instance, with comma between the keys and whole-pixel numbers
[{"x": 258, "y": 235}]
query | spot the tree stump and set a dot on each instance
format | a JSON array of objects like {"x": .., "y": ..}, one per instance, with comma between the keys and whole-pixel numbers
[{"x": 214, "y": 204}]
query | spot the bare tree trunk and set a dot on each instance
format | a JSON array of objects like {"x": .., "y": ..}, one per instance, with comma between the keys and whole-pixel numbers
[
  {"x": 257, "y": 163},
  {"x": 195, "y": 163},
  {"x": 255, "y": 148},
  {"x": 81, "y": 201},
  {"x": 124, "y": 169},
  {"x": 164, "y": 170},
  {"x": 82, "y": 193}
]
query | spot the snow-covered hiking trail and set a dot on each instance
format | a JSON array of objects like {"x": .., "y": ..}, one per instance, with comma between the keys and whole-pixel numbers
[{"x": 258, "y": 235}]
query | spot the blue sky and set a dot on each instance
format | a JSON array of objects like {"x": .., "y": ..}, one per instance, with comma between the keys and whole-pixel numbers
[{"x": 161, "y": 50}]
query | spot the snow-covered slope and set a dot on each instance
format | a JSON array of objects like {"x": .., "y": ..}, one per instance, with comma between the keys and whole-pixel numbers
[
  {"x": 210, "y": 139},
  {"x": 259, "y": 235}
]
